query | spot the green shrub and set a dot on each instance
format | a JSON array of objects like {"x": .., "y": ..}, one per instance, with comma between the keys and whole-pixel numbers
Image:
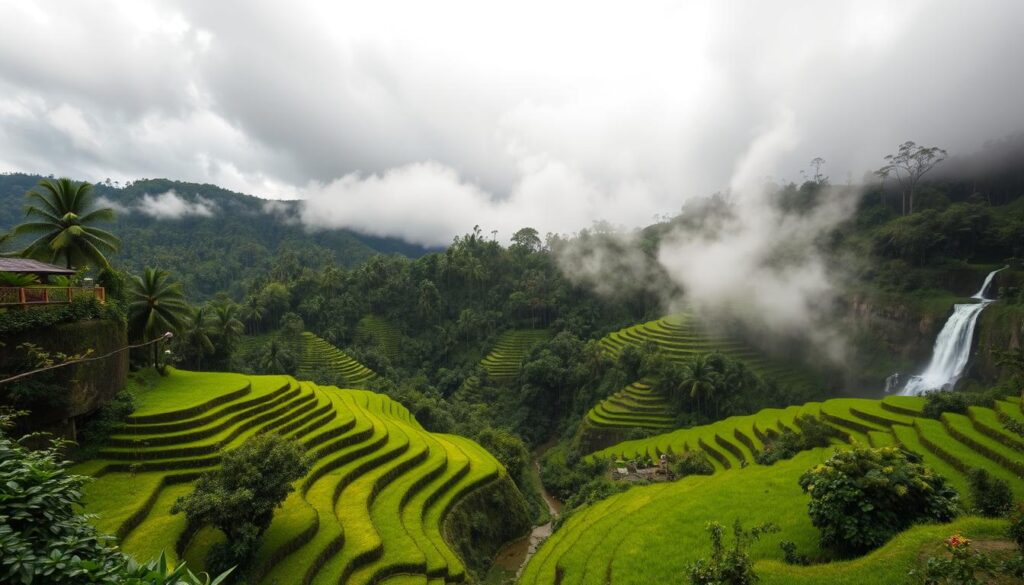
[
  {"x": 961, "y": 567},
  {"x": 44, "y": 540},
  {"x": 106, "y": 421},
  {"x": 940, "y": 401},
  {"x": 692, "y": 463},
  {"x": 862, "y": 497},
  {"x": 813, "y": 433},
  {"x": 240, "y": 497},
  {"x": 991, "y": 496},
  {"x": 791, "y": 555},
  {"x": 77, "y": 310},
  {"x": 728, "y": 566},
  {"x": 1016, "y": 530}
]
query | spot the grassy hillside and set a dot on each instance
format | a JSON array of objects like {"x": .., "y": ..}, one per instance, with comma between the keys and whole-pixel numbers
[
  {"x": 625, "y": 538},
  {"x": 503, "y": 362},
  {"x": 679, "y": 337},
  {"x": 371, "y": 507}
]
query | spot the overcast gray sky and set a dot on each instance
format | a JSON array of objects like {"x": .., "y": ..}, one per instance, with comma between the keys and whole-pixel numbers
[{"x": 420, "y": 119}]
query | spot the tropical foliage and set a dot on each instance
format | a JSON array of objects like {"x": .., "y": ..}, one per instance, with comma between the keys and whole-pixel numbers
[
  {"x": 62, "y": 219},
  {"x": 43, "y": 539},
  {"x": 860, "y": 498},
  {"x": 156, "y": 306},
  {"x": 240, "y": 497}
]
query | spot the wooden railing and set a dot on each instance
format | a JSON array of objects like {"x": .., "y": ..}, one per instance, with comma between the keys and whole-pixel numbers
[{"x": 27, "y": 296}]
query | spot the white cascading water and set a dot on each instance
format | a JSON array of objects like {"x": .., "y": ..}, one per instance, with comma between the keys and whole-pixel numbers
[{"x": 952, "y": 346}]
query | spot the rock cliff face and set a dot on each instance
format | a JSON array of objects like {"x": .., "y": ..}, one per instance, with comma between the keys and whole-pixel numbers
[
  {"x": 896, "y": 333},
  {"x": 88, "y": 386},
  {"x": 903, "y": 330}
]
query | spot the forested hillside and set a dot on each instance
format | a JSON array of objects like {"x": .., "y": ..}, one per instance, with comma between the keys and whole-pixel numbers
[{"x": 211, "y": 238}]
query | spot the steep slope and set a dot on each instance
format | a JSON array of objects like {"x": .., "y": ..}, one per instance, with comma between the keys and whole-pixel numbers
[
  {"x": 503, "y": 362},
  {"x": 623, "y": 539},
  {"x": 679, "y": 337},
  {"x": 371, "y": 507}
]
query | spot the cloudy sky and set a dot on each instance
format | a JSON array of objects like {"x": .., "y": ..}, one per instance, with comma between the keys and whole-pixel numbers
[{"x": 421, "y": 119}]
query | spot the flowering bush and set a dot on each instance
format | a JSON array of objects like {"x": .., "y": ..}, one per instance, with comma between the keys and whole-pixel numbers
[
  {"x": 961, "y": 566},
  {"x": 862, "y": 497}
]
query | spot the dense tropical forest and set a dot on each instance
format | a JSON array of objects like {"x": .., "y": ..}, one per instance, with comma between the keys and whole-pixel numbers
[{"x": 333, "y": 407}]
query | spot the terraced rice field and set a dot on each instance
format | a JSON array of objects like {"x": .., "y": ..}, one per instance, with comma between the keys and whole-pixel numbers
[
  {"x": 379, "y": 332},
  {"x": 636, "y": 405},
  {"x": 504, "y": 361},
  {"x": 679, "y": 338},
  {"x": 370, "y": 510},
  {"x": 649, "y": 534},
  {"x": 316, "y": 354}
]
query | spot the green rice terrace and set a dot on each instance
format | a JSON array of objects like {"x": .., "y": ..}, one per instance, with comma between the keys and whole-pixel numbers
[
  {"x": 622, "y": 539},
  {"x": 316, "y": 354},
  {"x": 504, "y": 360},
  {"x": 381, "y": 333},
  {"x": 678, "y": 337},
  {"x": 636, "y": 405},
  {"x": 371, "y": 509}
]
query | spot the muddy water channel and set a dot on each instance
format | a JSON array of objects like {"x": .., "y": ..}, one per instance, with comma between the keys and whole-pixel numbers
[{"x": 512, "y": 558}]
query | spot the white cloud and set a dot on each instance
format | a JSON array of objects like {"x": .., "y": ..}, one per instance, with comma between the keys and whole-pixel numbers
[
  {"x": 117, "y": 207},
  {"x": 532, "y": 113},
  {"x": 170, "y": 205}
]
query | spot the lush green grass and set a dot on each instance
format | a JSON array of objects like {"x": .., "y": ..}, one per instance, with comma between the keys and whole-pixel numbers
[
  {"x": 649, "y": 534},
  {"x": 890, "y": 563},
  {"x": 503, "y": 363},
  {"x": 371, "y": 508},
  {"x": 180, "y": 389}
]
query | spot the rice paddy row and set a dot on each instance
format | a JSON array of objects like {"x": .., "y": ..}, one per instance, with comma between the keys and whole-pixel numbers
[
  {"x": 377, "y": 331},
  {"x": 636, "y": 405},
  {"x": 649, "y": 534},
  {"x": 370, "y": 510},
  {"x": 679, "y": 337},
  {"x": 504, "y": 361},
  {"x": 317, "y": 355}
]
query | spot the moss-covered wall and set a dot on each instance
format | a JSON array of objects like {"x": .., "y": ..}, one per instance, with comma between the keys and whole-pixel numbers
[
  {"x": 89, "y": 385},
  {"x": 484, "y": 521}
]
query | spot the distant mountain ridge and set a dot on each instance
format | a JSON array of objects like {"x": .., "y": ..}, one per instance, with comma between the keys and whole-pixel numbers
[{"x": 208, "y": 237}]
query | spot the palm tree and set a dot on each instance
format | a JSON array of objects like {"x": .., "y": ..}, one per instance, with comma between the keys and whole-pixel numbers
[
  {"x": 252, "y": 313},
  {"x": 196, "y": 335},
  {"x": 226, "y": 326},
  {"x": 156, "y": 305},
  {"x": 276, "y": 359},
  {"x": 700, "y": 379},
  {"x": 63, "y": 213}
]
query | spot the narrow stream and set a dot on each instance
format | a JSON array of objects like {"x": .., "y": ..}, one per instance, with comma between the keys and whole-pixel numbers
[{"x": 512, "y": 558}]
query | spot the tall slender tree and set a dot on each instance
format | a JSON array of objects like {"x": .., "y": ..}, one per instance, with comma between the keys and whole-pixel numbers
[
  {"x": 226, "y": 326},
  {"x": 156, "y": 305},
  {"x": 196, "y": 335},
  {"x": 700, "y": 379},
  {"x": 909, "y": 164},
  {"x": 252, "y": 313},
  {"x": 63, "y": 216}
]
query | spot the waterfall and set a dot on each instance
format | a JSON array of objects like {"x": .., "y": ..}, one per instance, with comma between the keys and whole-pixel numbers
[{"x": 952, "y": 346}]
